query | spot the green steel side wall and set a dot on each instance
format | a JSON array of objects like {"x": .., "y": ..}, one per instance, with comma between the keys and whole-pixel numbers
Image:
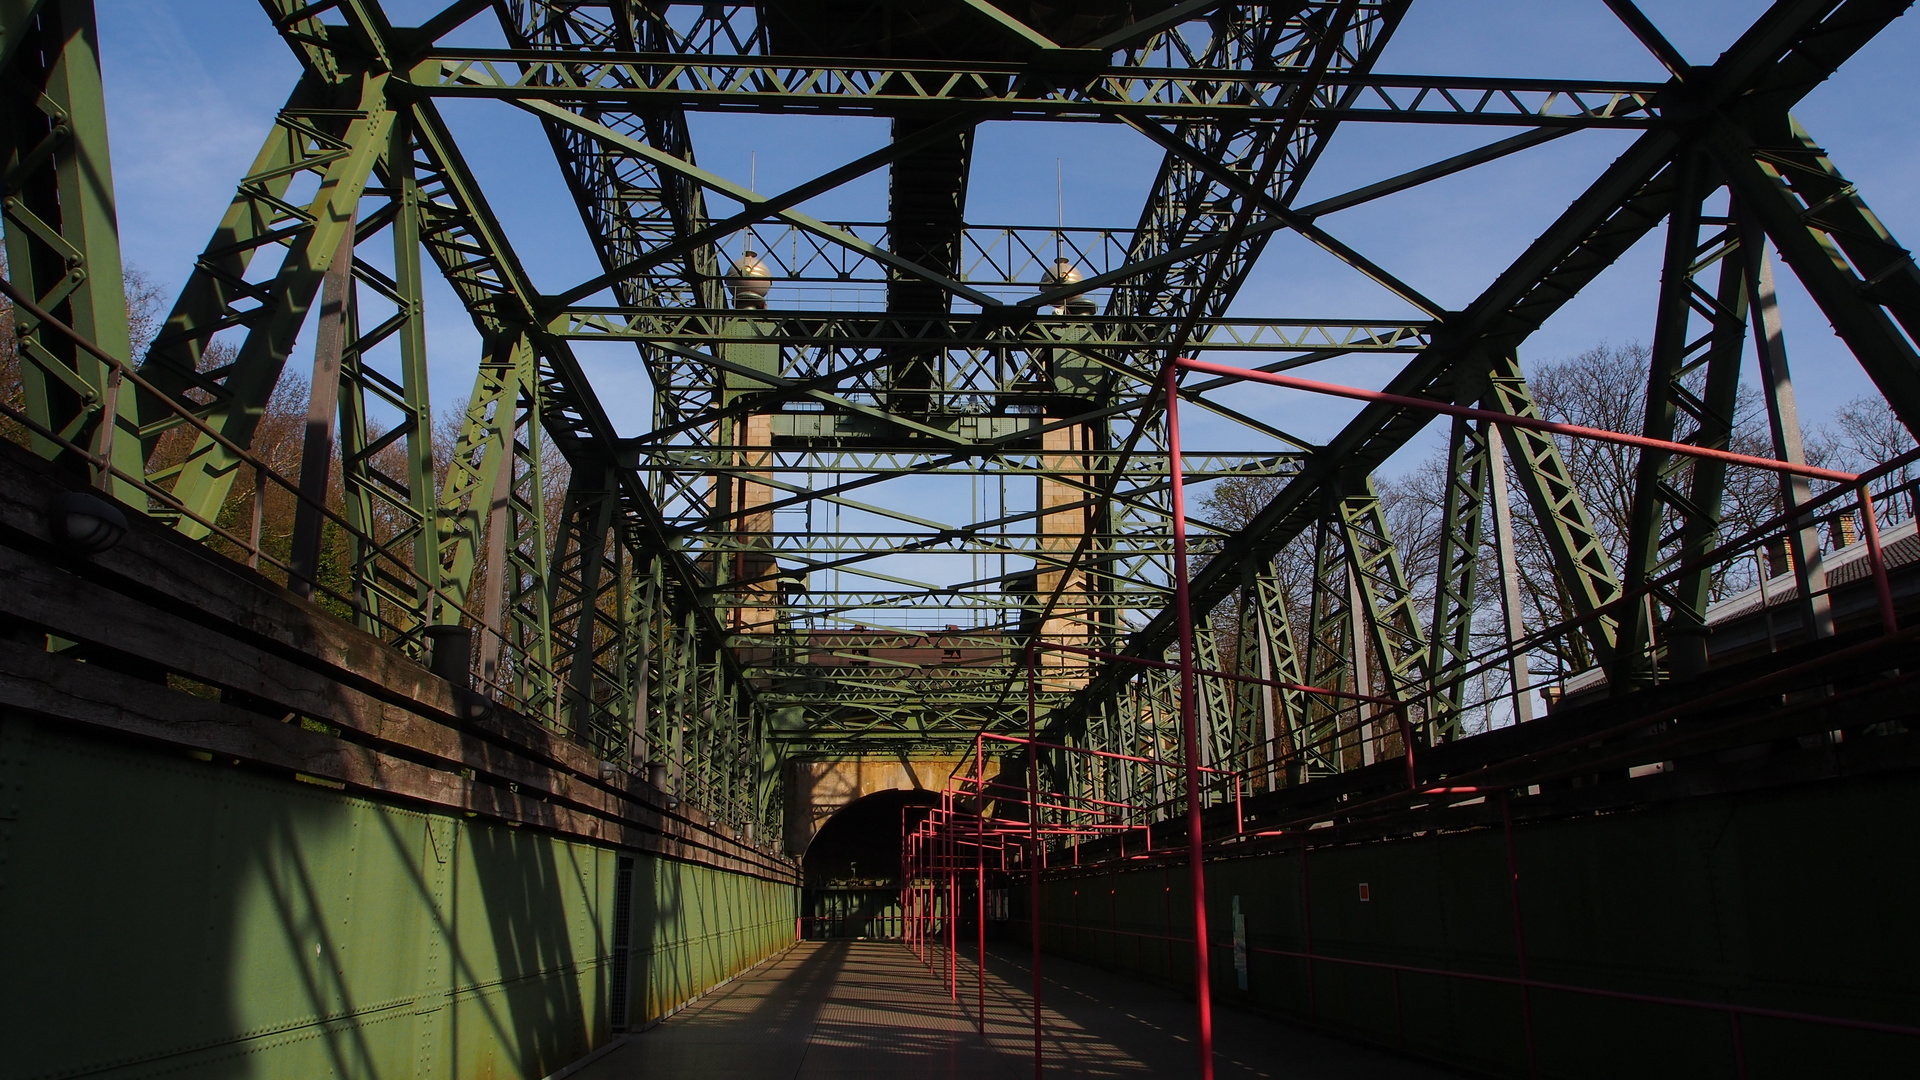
[
  {"x": 695, "y": 926},
  {"x": 170, "y": 916},
  {"x": 1798, "y": 899}
]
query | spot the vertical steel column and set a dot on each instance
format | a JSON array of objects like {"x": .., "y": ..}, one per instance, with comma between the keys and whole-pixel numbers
[
  {"x": 409, "y": 283},
  {"x": 1504, "y": 552},
  {"x": 1365, "y": 714},
  {"x": 1649, "y": 520},
  {"x": 477, "y": 489},
  {"x": 1783, "y": 417},
  {"x": 62, "y": 242},
  {"x": 1269, "y": 730},
  {"x": 1456, "y": 579},
  {"x": 323, "y": 401},
  {"x": 1189, "y": 736},
  {"x": 576, "y": 586}
]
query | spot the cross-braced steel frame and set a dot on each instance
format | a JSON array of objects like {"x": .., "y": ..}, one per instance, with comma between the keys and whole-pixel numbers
[{"x": 920, "y": 451}]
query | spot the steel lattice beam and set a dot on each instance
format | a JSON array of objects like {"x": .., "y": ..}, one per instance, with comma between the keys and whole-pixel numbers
[{"x": 767, "y": 570}]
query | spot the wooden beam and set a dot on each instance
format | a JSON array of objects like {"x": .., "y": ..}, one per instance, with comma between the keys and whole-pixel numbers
[
  {"x": 51, "y": 687},
  {"x": 172, "y": 603}
]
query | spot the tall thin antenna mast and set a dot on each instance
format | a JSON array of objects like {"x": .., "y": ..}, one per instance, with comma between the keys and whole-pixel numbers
[
  {"x": 1060, "y": 207},
  {"x": 753, "y": 185}
]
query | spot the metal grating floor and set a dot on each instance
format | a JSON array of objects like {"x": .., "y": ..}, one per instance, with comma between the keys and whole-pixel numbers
[{"x": 859, "y": 1010}]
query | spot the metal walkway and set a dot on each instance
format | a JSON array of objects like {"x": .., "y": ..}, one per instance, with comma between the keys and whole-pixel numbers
[{"x": 870, "y": 1009}]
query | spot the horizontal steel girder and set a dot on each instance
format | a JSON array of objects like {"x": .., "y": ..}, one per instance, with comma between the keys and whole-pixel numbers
[
  {"x": 999, "y": 330},
  {"x": 899, "y": 87}
]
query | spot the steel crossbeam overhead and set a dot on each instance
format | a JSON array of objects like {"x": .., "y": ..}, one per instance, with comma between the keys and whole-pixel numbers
[
  {"x": 1032, "y": 91},
  {"x": 1009, "y": 462},
  {"x": 833, "y": 331},
  {"x": 901, "y": 469}
]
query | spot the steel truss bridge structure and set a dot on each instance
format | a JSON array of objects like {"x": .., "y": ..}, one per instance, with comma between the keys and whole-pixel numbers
[{"x": 892, "y": 466}]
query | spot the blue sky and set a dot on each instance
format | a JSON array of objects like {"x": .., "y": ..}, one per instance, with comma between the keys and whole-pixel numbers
[{"x": 192, "y": 87}]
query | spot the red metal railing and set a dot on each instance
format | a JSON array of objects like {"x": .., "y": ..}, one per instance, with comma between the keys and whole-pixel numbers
[{"x": 932, "y": 846}]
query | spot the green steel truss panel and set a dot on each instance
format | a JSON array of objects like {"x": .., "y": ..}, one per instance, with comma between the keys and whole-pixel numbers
[
  {"x": 1586, "y": 579},
  {"x": 1863, "y": 279},
  {"x": 1283, "y": 710},
  {"x": 653, "y": 612},
  {"x": 1457, "y": 575},
  {"x": 335, "y": 138},
  {"x": 1392, "y": 618},
  {"x": 1690, "y": 398},
  {"x": 62, "y": 241}
]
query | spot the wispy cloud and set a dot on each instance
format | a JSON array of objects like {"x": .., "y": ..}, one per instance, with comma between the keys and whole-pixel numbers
[{"x": 187, "y": 110}]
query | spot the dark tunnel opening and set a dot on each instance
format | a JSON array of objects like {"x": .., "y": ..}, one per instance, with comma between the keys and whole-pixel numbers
[{"x": 852, "y": 868}]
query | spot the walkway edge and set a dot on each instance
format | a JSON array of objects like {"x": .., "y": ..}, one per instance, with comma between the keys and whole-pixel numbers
[{"x": 620, "y": 1040}]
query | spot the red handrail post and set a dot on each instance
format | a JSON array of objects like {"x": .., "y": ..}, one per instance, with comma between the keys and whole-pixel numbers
[
  {"x": 1189, "y": 734},
  {"x": 1889, "y": 622},
  {"x": 953, "y": 911},
  {"x": 980, "y": 879},
  {"x": 1033, "y": 850}
]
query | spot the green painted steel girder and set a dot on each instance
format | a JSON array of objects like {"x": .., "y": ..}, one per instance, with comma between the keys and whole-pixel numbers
[
  {"x": 842, "y": 330},
  {"x": 652, "y": 615},
  {"x": 63, "y": 246},
  {"x": 907, "y": 87}
]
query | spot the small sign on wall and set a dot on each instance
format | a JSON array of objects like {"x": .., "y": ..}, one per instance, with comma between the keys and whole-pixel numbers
[
  {"x": 1366, "y": 893},
  {"x": 1239, "y": 945}
]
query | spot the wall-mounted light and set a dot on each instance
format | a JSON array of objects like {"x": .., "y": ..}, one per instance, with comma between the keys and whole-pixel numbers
[{"x": 87, "y": 522}]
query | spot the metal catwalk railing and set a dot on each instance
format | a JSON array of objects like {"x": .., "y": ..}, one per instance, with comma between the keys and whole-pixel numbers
[
  {"x": 100, "y": 461},
  {"x": 509, "y": 679},
  {"x": 970, "y": 831}
]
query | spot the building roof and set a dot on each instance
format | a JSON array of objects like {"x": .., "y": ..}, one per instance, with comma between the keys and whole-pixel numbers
[{"x": 1900, "y": 542}]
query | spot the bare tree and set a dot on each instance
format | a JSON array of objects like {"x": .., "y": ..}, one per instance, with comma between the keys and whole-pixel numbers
[
  {"x": 1868, "y": 433},
  {"x": 1230, "y": 505},
  {"x": 1606, "y": 387},
  {"x": 1603, "y": 387},
  {"x": 146, "y": 309}
]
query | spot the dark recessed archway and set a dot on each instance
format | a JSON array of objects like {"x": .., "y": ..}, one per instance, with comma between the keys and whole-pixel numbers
[{"x": 852, "y": 867}]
